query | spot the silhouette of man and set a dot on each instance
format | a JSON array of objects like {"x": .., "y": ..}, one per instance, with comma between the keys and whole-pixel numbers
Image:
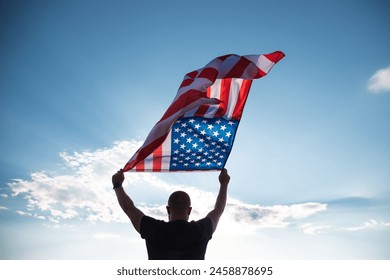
[{"x": 176, "y": 239}]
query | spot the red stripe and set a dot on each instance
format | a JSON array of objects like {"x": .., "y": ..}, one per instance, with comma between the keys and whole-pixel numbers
[
  {"x": 242, "y": 96},
  {"x": 203, "y": 109},
  {"x": 275, "y": 56},
  {"x": 224, "y": 97},
  {"x": 157, "y": 159},
  {"x": 239, "y": 68},
  {"x": 140, "y": 166},
  {"x": 186, "y": 82},
  {"x": 208, "y": 73},
  {"x": 183, "y": 101}
]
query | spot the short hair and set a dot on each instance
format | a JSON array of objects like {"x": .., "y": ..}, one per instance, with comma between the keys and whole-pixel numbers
[{"x": 179, "y": 201}]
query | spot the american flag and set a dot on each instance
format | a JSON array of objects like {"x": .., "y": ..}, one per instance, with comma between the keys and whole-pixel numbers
[{"x": 198, "y": 129}]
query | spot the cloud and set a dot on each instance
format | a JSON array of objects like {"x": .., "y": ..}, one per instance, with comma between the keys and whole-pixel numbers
[
  {"x": 22, "y": 213},
  {"x": 276, "y": 216},
  {"x": 309, "y": 228},
  {"x": 369, "y": 225},
  {"x": 380, "y": 81},
  {"x": 84, "y": 192}
]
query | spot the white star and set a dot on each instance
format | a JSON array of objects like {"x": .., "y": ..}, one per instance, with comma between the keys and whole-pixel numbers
[
  {"x": 215, "y": 133},
  {"x": 220, "y": 139},
  {"x": 210, "y": 126},
  {"x": 194, "y": 145},
  {"x": 230, "y": 123},
  {"x": 228, "y": 134},
  {"x": 223, "y": 127},
  {"x": 182, "y": 146},
  {"x": 177, "y": 130},
  {"x": 218, "y": 122},
  {"x": 176, "y": 141},
  {"x": 203, "y": 132},
  {"x": 191, "y": 121},
  {"x": 197, "y": 126},
  {"x": 189, "y": 140},
  {"x": 183, "y": 125},
  {"x": 183, "y": 134}
]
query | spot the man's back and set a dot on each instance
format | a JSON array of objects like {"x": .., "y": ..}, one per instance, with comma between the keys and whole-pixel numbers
[{"x": 176, "y": 240}]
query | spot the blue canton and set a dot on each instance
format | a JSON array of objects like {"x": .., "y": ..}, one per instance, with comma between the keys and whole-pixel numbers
[{"x": 201, "y": 144}]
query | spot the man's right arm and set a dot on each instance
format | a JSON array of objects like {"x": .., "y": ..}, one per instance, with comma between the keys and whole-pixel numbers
[
  {"x": 220, "y": 203},
  {"x": 126, "y": 202}
]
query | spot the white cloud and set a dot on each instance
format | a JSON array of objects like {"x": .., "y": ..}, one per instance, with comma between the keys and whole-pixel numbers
[
  {"x": 85, "y": 193},
  {"x": 3, "y": 208},
  {"x": 310, "y": 228},
  {"x": 380, "y": 81},
  {"x": 369, "y": 225},
  {"x": 22, "y": 213}
]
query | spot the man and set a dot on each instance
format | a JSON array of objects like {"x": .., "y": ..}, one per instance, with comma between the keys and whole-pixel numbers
[{"x": 178, "y": 238}]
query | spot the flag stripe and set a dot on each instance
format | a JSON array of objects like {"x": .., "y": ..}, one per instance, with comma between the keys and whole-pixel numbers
[
  {"x": 242, "y": 97},
  {"x": 234, "y": 95},
  {"x": 224, "y": 97}
]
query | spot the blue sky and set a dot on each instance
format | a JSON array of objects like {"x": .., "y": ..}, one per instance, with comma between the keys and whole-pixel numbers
[{"x": 83, "y": 82}]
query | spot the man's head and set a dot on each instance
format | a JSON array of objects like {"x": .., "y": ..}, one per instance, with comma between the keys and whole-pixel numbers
[{"x": 179, "y": 206}]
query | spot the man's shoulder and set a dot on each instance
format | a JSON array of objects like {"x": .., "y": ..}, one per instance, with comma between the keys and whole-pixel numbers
[
  {"x": 149, "y": 225},
  {"x": 205, "y": 223}
]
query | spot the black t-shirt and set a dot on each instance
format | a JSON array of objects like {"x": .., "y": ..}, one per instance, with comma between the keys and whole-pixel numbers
[{"x": 176, "y": 240}]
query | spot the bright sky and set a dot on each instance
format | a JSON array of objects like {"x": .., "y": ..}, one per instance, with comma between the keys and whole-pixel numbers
[{"x": 83, "y": 82}]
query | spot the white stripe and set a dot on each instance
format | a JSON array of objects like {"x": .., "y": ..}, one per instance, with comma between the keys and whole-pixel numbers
[
  {"x": 148, "y": 162},
  {"x": 199, "y": 84},
  {"x": 235, "y": 87},
  {"x": 261, "y": 62},
  {"x": 166, "y": 152},
  {"x": 215, "y": 92}
]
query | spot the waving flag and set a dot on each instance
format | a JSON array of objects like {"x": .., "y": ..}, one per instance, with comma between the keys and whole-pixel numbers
[{"x": 198, "y": 129}]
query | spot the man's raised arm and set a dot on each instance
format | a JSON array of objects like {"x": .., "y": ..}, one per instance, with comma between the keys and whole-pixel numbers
[
  {"x": 220, "y": 203},
  {"x": 125, "y": 201}
]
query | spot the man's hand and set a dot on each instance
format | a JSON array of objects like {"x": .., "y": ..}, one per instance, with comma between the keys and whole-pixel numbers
[
  {"x": 118, "y": 178},
  {"x": 224, "y": 177}
]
